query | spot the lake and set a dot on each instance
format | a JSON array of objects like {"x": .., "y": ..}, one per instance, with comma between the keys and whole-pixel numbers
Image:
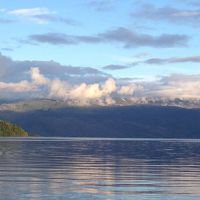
[{"x": 121, "y": 169}]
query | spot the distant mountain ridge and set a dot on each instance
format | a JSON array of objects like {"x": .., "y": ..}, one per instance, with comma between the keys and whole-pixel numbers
[
  {"x": 54, "y": 118},
  {"x": 45, "y": 104},
  {"x": 149, "y": 117}
]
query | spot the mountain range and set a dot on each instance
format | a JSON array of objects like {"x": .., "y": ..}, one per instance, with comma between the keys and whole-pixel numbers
[
  {"x": 150, "y": 119},
  {"x": 45, "y": 104}
]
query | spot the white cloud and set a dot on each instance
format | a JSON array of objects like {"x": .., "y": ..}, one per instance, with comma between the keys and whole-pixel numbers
[
  {"x": 93, "y": 91},
  {"x": 126, "y": 90},
  {"x": 58, "y": 89},
  {"x": 109, "y": 86},
  {"x": 29, "y": 12},
  {"x": 179, "y": 86},
  {"x": 86, "y": 91},
  {"x": 22, "y": 86},
  {"x": 38, "y": 78},
  {"x": 37, "y": 15},
  {"x": 82, "y": 92}
]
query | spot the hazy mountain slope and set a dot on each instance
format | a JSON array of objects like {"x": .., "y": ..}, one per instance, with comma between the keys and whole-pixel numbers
[
  {"x": 125, "y": 121},
  {"x": 46, "y": 104}
]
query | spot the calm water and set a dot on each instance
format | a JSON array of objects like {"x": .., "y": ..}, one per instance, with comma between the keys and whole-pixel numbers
[{"x": 49, "y": 169}]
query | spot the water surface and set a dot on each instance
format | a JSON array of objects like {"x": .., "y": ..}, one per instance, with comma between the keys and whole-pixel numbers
[{"x": 67, "y": 168}]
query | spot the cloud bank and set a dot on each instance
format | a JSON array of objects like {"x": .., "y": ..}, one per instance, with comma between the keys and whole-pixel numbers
[
  {"x": 85, "y": 86},
  {"x": 104, "y": 93},
  {"x": 43, "y": 87},
  {"x": 49, "y": 79}
]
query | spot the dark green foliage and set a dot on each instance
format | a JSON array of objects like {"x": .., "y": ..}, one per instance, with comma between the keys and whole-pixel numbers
[{"x": 11, "y": 130}]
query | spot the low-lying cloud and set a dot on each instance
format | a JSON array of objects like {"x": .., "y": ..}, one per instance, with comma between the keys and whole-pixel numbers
[
  {"x": 59, "y": 89},
  {"x": 178, "y": 86},
  {"x": 104, "y": 93},
  {"x": 87, "y": 85},
  {"x": 44, "y": 87}
]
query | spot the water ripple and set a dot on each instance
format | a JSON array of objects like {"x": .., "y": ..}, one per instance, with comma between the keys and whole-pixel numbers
[{"x": 99, "y": 169}]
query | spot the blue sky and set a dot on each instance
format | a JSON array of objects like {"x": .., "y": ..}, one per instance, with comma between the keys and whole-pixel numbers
[
  {"x": 91, "y": 49},
  {"x": 93, "y": 17}
]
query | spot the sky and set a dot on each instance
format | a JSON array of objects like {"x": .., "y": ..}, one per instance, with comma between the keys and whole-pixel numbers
[{"x": 148, "y": 45}]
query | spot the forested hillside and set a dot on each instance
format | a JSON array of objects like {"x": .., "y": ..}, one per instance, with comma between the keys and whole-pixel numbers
[{"x": 11, "y": 130}]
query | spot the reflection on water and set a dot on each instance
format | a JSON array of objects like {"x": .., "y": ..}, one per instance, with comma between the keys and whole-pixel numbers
[{"x": 49, "y": 169}]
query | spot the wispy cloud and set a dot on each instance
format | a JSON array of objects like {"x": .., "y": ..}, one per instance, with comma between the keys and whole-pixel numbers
[
  {"x": 132, "y": 39},
  {"x": 6, "y": 21},
  {"x": 124, "y": 36},
  {"x": 142, "y": 55},
  {"x": 171, "y": 60},
  {"x": 115, "y": 67},
  {"x": 39, "y": 16},
  {"x": 63, "y": 39},
  {"x": 6, "y": 49},
  {"x": 168, "y": 13},
  {"x": 53, "y": 38},
  {"x": 101, "y": 5}
]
